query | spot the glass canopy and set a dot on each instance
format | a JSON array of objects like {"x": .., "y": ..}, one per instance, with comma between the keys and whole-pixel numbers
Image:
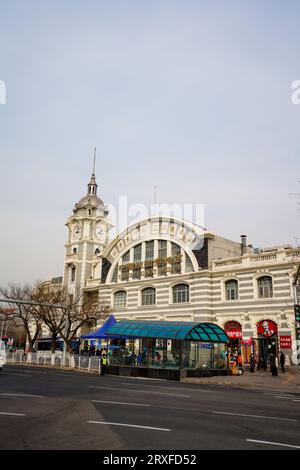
[{"x": 188, "y": 331}]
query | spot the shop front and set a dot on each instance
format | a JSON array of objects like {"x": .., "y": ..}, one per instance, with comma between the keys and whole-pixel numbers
[{"x": 266, "y": 342}]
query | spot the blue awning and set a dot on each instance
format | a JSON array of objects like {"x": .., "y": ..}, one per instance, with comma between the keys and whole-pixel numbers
[{"x": 100, "y": 333}]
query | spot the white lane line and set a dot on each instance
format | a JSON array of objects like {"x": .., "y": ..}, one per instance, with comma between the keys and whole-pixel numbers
[
  {"x": 168, "y": 388},
  {"x": 11, "y": 414},
  {"x": 21, "y": 395},
  {"x": 67, "y": 375},
  {"x": 295, "y": 400},
  {"x": 118, "y": 403},
  {"x": 129, "y": 425},
  {"x": 282, "y": 396},
  {"x": 286, "y": 395},
  {"x": 30, "y": 371},
  {"x": 273, "y": 443},
  {"x": 140, "y": 391},
  {"x": 18, "y": 375},
  {"x": 252, "y": 416}
]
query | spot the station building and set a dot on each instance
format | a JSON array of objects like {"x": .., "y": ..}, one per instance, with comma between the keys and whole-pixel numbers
[{"x": 163, "y": 268}]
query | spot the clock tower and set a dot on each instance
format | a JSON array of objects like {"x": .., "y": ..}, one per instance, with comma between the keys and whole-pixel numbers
[{"x": 88, "y": 229}]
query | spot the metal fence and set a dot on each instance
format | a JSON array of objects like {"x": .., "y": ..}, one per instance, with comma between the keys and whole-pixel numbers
[{"x": 72, "y": 361}]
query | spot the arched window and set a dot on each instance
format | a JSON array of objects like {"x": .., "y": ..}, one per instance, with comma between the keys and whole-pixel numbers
[
  {"x": 74, "y": 251},
  {"x": 180, "y": 293},
  {"x": 232, "y": 292},
  {"x": 97, "y": 251},
  {"x": 148, "y": 296},
  {"x": 73, "y": 274},
  {"x": 265, "y": 287},
  {"x": 120, "y": 299}
]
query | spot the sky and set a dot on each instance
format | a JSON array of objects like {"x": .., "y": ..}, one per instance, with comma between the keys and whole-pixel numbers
[{"x": 191, "y": 96}]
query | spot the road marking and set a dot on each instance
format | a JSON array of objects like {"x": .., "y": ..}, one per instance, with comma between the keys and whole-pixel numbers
[
  {"x": 118, "y": 403},
  {"x": 129, "y": 425},
  {"x": 21, "y": 395},
  {"x": 273, "y": 443},
  {"x": 252, "y": 416},
  {"x": 30, "y": 371},
  {"x": 278, "y": 395},
  {"x": 295, "y": 400},
  {"x": 283, "y": 396},
  {"x": 169, "y": 388},
  {"x": 19, "y": 375},
  {"x": 67, "y": 375},
  {"x": 11, "y": 414},
  {"x": 140, "y": 391}
]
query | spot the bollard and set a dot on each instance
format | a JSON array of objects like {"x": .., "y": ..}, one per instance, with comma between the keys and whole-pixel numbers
[
  {"x": 89, "y": 366},
  {"x": 79, "y": 362},
  {"x": 99, "y": 366}
]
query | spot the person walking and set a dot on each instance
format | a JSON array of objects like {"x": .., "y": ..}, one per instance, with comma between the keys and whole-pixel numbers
[
  {"x": 282, "y": 362},
  {"x": 252, "y": 363},
  {"x": 274, "y": 364},
  {"x": 103, "y": 364}
]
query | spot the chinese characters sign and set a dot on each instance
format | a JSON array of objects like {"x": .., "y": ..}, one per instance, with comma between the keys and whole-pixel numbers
[{"x": 285, "y": 342}]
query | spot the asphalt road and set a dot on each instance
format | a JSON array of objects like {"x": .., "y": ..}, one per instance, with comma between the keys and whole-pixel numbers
[{"x": 44, "y": 408}]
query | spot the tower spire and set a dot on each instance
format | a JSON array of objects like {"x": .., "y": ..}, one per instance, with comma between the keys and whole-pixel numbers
[
  {"x": 94, "y": 165},
  {"x": 92, "y": 186}
]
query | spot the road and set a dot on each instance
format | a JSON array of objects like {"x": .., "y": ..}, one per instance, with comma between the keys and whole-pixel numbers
[{"x": 44, "y": 408}]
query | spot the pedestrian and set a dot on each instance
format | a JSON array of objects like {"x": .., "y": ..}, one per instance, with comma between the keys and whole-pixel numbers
[
  {"x": 252, "y": 363},
  {"x": 282, "y": 362},
  {"x": 274, "y": 364},
  {"x": 140, "y": 359},
  {"x": 103, "y": 363},
  {"x": 240, "y": 363},
  {"x": 264, "y": 364}
]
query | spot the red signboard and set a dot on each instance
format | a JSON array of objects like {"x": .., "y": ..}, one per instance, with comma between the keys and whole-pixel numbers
[
  {"x": 234, "y": 334},
  {"x": 233, "y": 329},
  {"x": 266, "y": 328},
  {"x": 285, "y": 342}
]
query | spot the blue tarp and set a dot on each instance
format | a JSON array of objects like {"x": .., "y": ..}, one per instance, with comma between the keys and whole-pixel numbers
[{"x": 100, "y": 333}]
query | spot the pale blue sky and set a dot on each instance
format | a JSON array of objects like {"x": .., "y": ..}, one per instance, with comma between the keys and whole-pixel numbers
[{"x": 193, "y": 96}]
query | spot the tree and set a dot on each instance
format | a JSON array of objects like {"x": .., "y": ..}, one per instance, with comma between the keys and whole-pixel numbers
[
  {"x": 23, "y": 314},
  {"x": 65, "y": 314}
]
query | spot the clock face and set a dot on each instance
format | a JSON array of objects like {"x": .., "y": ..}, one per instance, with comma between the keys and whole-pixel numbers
[
  {"x": 76, "y": 232},
  {"x": 99, "y": 232}
]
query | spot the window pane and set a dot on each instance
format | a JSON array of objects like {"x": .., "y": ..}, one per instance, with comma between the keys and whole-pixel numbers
[
  {"x": 181, "y": 293},
  {"x": 137, "y": 253},
  {"x": 120, "y": 299},
  {"x": 176, "y": 250},
  {"x": 148, "y": 296},
  {"x": 126, "y": 257},
  {"x": 150, "y": 250},
  {"x": 162, "y": 248},
  {"x": 232, "y": 290},
  {"x": 265, "y": 288},
  {"x": 136, "y": 273}
]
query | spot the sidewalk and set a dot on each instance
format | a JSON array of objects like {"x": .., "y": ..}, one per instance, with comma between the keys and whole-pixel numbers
[{"x": 256, "y": 380}]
